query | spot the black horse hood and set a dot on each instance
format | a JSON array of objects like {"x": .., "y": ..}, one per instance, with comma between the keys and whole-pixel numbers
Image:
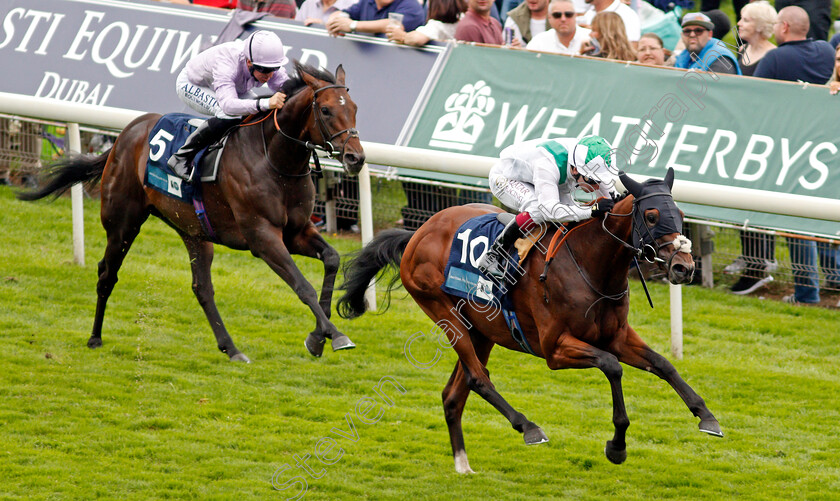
[{"x": 654, "y": 194}]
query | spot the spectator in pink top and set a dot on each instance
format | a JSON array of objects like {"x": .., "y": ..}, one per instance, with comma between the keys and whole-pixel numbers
[{"x": 478, "y": 26}]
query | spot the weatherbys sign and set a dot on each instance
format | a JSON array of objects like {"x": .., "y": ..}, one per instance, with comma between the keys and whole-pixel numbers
[
  {"x": 127, "y": 55},
  {"x": 720, "y": 130}
]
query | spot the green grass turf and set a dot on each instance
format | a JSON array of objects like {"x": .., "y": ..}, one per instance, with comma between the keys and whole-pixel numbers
[{"x": 158, "y": 412}]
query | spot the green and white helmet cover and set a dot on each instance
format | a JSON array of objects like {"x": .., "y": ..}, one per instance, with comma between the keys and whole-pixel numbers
[{"x": 592, "y": 157}]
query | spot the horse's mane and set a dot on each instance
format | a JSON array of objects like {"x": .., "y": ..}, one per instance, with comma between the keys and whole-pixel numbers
[{"x": 295, "y": 84}]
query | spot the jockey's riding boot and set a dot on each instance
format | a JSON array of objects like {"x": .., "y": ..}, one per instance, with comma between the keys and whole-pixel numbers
[
  {"x": 494, "y": 261},
  {"x": 204, "y": 135}
]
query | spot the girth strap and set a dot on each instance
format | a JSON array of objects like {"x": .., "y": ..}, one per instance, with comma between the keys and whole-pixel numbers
[
  {"x": 516, "y": 331},
  {"x": 201, "y": 213}
]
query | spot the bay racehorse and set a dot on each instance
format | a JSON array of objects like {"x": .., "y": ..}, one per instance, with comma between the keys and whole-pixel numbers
[
  {"x": 262, "y": 200},
  {"x": 572, "y": 307}
]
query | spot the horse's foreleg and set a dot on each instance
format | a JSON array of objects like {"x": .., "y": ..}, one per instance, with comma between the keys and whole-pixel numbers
[
  {"x": 310, "y": 243},
  {"x": 201, "y": 258},
  {"x": 274, "y": 252},
  {"x": 572, "y": 353},
  {"x": 454, "y": 398},
  {"x": 636, "y": 353},
  {"x": 122, "y": 224}
]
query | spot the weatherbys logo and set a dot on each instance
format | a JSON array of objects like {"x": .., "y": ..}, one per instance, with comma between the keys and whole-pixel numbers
[{"x": 463, "y": 122}]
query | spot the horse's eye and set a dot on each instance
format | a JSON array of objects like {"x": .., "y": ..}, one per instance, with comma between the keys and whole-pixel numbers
[
  {"x": 325, "y": 111},
  {"x": 652, "y": 217}
]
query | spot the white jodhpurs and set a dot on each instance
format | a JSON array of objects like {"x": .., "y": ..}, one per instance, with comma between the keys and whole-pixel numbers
[
  {"x": 198, "y": 98},
  {"x": 515, "y": 194}
]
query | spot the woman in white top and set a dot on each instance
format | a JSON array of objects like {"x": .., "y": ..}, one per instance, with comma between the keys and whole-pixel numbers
[
  {"x": 440, "y": 26},
  {"x": 755, "y": 28}
]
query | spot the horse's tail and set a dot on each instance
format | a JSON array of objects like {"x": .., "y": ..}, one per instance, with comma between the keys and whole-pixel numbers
[
  {"x": 384, "y": 251},
  {"x": 63, "y": 174}
]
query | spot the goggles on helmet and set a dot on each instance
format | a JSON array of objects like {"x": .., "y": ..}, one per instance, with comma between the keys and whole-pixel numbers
[{"x": 263, "y": 69}]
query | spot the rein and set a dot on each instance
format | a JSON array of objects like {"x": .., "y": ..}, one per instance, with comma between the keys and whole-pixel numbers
[
  {"x": 327, "y": 147},
  {"x": 553, "y": 247}
]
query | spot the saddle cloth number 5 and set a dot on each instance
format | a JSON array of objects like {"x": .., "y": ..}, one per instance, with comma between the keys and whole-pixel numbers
[{"x": 157, "y": 146}]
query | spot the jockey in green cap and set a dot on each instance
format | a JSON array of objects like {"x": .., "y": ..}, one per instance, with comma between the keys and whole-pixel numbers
[{"x": 538, "y": 178}]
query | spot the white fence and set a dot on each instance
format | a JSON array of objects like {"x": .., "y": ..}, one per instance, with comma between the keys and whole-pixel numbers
[{"x": 435, "y": 161}]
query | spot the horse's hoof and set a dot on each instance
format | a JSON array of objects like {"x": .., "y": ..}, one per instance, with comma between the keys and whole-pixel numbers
[
  {"x": 462, "y": 464},
  {"x": 616, "y": 456},
  {"x": 464, "y": 471},
  {"x": 342, "y": 342},
  {"x": 535, "y": 436},
  {"x": 94, "y": 342},
  {"x": 711, "y": 426},
  {"x": 315, "y": 345},
  {"x": 240, "y": 357}
]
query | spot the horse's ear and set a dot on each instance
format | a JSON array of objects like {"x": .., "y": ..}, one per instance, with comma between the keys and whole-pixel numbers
[
  {"x": 339, "y": 75},
  {"x": 632, "y": 186},
  {"x": 308, "y": 79},
  {"x": 669, "y": 178}
]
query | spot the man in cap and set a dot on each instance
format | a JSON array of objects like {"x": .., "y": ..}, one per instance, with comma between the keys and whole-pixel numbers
[{"x": 702, "y": 51}]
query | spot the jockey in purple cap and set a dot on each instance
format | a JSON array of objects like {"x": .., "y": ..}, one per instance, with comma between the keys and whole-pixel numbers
[{"x": 219, "y": 82}]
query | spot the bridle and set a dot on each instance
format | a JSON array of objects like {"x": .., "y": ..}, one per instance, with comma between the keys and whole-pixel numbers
[
  {"x": 328, "y": 146},
  {"x": 647, "y": 251}
]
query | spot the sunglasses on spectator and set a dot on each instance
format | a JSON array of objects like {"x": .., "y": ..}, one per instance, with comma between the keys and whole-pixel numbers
[
  {"x": 694, "y": 31},
  {"x": 263, "y": 69},
  {"x": 558, "y": 15}
]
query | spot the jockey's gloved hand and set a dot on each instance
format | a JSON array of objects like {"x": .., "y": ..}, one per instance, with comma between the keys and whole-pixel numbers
[{"x": 603, "y": 206}]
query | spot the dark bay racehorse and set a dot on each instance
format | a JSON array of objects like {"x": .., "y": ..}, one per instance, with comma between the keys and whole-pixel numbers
[
  {"x": 575, "y": 318},
  {"x": 262, "y": 200}
]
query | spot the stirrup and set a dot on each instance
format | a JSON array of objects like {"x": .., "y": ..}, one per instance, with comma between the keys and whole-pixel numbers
[
  {"x": 181, "y": 168},
  {"x": 490, "y": 264}
]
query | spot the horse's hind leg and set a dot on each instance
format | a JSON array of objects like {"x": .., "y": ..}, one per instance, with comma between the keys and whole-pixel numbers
[
  {"x": 122, "y": 224},
  {"x": 638, "y": 354},
  {"x": 310, "y": 243},
  {"x": 201, "y": 258},
  {"x": 454, "y": 398},
  {"x": 477, "y": 378}
]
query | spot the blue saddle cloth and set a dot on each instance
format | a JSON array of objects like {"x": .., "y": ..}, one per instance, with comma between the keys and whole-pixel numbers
[
  {"x": 463, "y": 279},
  {"x": 167, "y": 136}
]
